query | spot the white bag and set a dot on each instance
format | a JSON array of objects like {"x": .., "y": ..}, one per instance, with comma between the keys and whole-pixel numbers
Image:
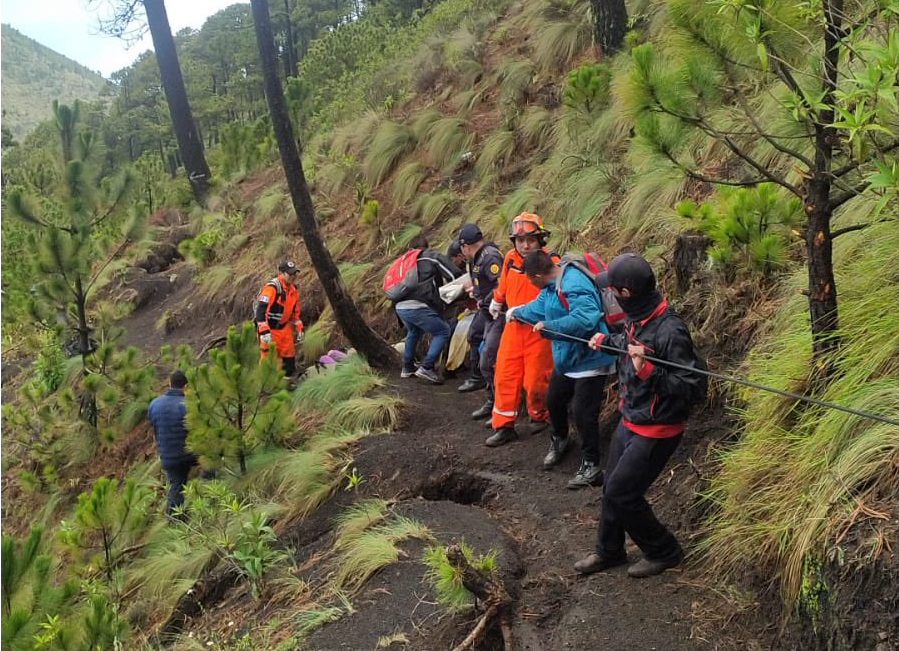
[{"x": 454, "y": 289}]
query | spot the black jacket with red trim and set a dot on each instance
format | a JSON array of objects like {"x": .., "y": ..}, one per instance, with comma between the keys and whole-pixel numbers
[{"x": 659, "y": 395}]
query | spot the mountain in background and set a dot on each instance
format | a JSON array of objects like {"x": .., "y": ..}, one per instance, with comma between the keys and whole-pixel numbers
[{"x": 33, "y": 76}]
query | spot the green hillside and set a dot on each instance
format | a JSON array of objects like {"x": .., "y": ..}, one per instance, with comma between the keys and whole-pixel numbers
[{"x": 33, "y": 76}]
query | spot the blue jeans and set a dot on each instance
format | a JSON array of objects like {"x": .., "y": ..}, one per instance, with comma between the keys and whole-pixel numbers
[{"x": 418, "y": 322}]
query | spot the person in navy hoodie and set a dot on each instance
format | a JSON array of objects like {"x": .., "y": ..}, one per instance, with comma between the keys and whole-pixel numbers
[
  {"x": 568, "y": 303},
  {"x": 167, "y": 417}
]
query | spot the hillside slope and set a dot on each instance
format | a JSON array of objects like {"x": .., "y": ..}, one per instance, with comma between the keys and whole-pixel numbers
[{"x": 35, "y": 75}]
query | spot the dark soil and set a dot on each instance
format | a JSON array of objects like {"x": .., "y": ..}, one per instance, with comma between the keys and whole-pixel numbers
[{"x": 438, "y": 455}]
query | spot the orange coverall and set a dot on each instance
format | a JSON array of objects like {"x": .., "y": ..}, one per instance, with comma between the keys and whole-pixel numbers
[
  {"x": 281, "y": 316},
  {"x": 524, "y": 358}
]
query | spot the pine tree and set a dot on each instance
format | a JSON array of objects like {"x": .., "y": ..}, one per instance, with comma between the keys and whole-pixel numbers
[
  {"x": 832, "y": 75},
  {"x": 73, "y": 240},
  {"x": 235, "y": 403},
  {"x": 107, "y": 520},
  {"x": 609, "y": 24}
]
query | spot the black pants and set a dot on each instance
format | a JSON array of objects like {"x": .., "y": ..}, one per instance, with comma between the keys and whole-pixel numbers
[
  {"x": 585, "y": 397},
  {"x": 492, "y": 335},
  {"x": 476, "y": 334},
  {"x": 634, "y": 463},
  {"x": 289, "y": 366},
  {"x": 176, "y": 477}
]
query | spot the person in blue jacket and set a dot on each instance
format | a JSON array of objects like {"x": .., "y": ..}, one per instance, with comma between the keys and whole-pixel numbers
[
  {"x": 568, "y": 303},
  {"x": 167, "y": 417}
]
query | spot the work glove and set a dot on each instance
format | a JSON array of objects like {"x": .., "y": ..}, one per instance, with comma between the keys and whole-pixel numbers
[
  {"x": 495, "y": 309},
  {"x": 301, "y": 336},
  {"x": 510, "y": 314},
  {"x": 265, "y": 338}
]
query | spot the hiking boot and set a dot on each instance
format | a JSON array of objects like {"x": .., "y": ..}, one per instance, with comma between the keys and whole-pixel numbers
[
  {"x": 484, "y": 411},
  {"x": 472, "y": 384},
  {"x": 589, "y": 474},
  {"x": 429, "y": 375},
  {"x": 558, "y": 446},
  {"x": 501, "y": 436},
  {"x": 596, "y": 563},
  {"x": 291, "y": 384},
  {"x": 645, "y": 567},
  {"x": 407, "y": 373},
  {"x": 532, "y": 427}
]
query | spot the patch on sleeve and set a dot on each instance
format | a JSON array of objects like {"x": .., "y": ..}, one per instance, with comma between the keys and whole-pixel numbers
[
  {"x": 263, "y": 299},
  {"x": 494, "y": 268}
]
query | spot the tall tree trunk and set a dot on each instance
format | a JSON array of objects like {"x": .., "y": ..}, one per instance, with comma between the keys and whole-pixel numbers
[
  {"x": 822, "y": 289},
  {"x": 88, "y": 404},
  {"x": 348, "y": 317},
  {"x": 183, "y": 124},
  {"x": 291, "y": 46},
  {"x": 609, "y": 24}
]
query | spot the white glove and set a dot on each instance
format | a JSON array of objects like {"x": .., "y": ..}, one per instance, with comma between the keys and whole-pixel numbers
[
  {"x": 301, "y": 336},
  {"x": 495, "y": 308},
  {"x": 509, "y": 314},
  {"x": 265, "y": 338}
]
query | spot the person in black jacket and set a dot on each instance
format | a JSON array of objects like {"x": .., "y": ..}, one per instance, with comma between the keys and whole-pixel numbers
[
  {"x": 167, "y": 418},
  {"x": 655, "y": 402},
  {"x": 485, "y": 265},
  {"x": 421, "y": 310}
]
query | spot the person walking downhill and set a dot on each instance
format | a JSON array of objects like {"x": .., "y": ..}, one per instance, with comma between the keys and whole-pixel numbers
[
  {"x": 484, "y": 264},
  {"x": 167, "y": 414},
  {"x": 277, "y": 318},
  {"x": 419, "y": 310},
  {"x": 524, "y": 359},
  {"x": 569, "y": 304},
  {"x": 654, "y": 404}
]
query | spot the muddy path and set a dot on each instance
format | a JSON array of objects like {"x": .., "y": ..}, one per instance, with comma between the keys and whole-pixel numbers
[{"x": 439, "y": 455}]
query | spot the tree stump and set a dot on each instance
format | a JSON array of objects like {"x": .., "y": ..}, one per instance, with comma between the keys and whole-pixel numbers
[
  {"x": 493, "y": 596},
  {"x": 689, "y": 257}
]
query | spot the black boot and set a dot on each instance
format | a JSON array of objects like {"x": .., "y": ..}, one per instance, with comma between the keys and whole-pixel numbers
[
  {"x": 557, "y": 448},
  {"x": 472, "y": 384},
  {"x": 483, "y": 411},
  {"x": 501, "y": 436}
]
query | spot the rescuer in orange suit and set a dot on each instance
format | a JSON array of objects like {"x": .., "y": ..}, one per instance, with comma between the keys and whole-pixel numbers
[
  {"x": 524, "y": 359},
  {"x": 278, "y": 317}
]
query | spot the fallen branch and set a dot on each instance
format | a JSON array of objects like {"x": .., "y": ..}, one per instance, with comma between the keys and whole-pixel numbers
[{"x": 491, "y": 593}]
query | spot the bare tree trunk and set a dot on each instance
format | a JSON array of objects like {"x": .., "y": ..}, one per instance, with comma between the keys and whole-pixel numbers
[
  {"x": 183, "y": 124},
  {"x": 822, "y": 289},
  {"x": 609, "y": 24},
  {"x": 291, "y": 59},
  {"x": 366, "y": 341}
]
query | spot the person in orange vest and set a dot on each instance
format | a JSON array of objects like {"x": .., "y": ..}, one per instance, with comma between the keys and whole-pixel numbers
[
  {"x": 524, "y": 359},
  {"x": 278, "y": 317}
]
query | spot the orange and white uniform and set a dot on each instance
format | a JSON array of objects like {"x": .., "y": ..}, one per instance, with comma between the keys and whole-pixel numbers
[
  {"x": 524, "y": 359},
  {"x": 278, "y": 312}
]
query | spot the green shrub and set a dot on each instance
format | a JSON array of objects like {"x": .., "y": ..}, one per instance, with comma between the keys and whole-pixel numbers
[
  {"x": 587, "y": 89},
  {"x": 446, "y": 581}
]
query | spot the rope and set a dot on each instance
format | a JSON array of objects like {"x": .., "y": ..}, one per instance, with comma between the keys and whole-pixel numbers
[{"x": 728, "y": 378}]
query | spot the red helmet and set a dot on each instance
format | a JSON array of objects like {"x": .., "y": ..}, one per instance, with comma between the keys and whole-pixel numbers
[{"x": 528, "y": 224}]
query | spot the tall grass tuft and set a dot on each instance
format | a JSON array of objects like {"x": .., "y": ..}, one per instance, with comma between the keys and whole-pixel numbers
[
  {"x": 390, "y": 143},
  {"x": 352, "y": 378},
  {"x": 363, "y": 414},
  {"x": 800, "y": 477},
  {"x": 406, "y": 181},
  {"x": 316, "y": 341},
  {"x": 430, "y": 208},
  {"x": 357, "y": 518},
  {"x": 445, "y": 142},
  {"x": 496, "y": 152},
  {"x": 562, "y": 30},
  {"x": 373, "y": 549}
]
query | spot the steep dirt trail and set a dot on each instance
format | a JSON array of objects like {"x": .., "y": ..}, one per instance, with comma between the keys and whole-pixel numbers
[{"x": 439, "y": 455}]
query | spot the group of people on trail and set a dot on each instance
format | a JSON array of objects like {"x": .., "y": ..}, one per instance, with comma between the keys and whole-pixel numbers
[{"x": 559, "y": 329}]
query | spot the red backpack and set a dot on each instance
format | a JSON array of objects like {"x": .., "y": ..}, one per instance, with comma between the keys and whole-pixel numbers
[
  {"x": 590, "y": 265},
  {"x": 401, "y": 278}
]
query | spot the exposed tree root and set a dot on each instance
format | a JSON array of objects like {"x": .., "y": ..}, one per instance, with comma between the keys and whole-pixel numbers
[{"x": 491, "y": 594}]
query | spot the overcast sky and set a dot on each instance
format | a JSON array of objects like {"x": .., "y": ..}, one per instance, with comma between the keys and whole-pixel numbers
[{"x": 68, "y": 27}]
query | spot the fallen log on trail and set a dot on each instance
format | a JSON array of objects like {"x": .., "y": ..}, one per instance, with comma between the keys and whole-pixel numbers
[{"x": 493, "y": 596}]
